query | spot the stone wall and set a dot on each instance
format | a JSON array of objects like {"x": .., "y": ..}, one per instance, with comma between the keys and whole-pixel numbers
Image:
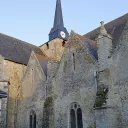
[
  {"x": 34, "y": 94},
  {"x": 54, "y": 48},
  {"x": 74, "y": 83},
  {"x": 119, "y": 69},
  {"x": 14, "y": 73},
  {"x": 52, "y": 67},
  {"x": 115, "y": 113},
  {"x": 104, "y": 45},
  {"x": 106, "y": 117}
]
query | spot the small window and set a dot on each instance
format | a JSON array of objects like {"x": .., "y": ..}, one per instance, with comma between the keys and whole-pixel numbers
[
  {"x": 0, "y": 107},
  {"x": 76, "y": 116},
  {"x": 74, "y": 61},
  {"x": 32, "y": 119},
  {"x": 63, "y": 43},
  {"x": 47, "y": 45}
]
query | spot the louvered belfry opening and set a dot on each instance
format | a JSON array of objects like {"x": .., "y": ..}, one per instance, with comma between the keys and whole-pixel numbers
[{"x": 76, "y": 116}]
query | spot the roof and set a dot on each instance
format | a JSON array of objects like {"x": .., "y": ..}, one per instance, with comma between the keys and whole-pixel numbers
[
  {"x": 58, "y": 19},
  {"x": 90, "y": 45},
  {"x": 43, "y": 62},
  {"x": 16, "y": 50},
  {"x": 114, "y": 28},
  {"x": 58, "y": 25}
]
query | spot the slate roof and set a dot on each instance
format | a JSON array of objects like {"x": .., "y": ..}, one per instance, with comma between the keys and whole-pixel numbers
[
  {"x": 90, "y": 45},
  {"x": 58, "y": 19},
  {"x": 114, "y": 28},
  {"x": 16, "y": 50},
  {"x": 58, "y": 23},
  {"x": 43, "y": 62}
]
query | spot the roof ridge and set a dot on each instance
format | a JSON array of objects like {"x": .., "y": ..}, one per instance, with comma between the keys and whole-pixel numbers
[
  {"x": 107, "y": 23},
  {"x": 117, "y": 18},
  {"x": 18, "y": 39},
  {"x": 85, "y": 37}
]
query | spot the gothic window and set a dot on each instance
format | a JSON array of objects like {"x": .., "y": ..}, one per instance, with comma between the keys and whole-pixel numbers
[
  {"x": 32, "y": 119},
  {"x": 76, "y": 116}
]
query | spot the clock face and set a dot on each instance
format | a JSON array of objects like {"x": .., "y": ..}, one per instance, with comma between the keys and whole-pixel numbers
[{"x": 63, "y": 35}]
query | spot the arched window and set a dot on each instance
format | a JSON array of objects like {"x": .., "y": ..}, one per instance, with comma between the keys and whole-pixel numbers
[
  {"x": 32, "y": 119},
  {"x": 76, "y": 116}
]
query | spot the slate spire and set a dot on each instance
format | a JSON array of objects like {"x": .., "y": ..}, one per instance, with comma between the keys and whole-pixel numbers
[
  {"x": 58, "y": 30},
  {"x": 58, "y": 20}
]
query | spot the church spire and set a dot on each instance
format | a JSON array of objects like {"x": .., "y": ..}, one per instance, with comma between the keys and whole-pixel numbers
[
  {"x": 58, "y": 20},
  {"x": 58, "y": 30}
]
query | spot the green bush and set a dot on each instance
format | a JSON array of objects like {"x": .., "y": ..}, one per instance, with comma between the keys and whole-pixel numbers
[{"x": 101, "y": 97}]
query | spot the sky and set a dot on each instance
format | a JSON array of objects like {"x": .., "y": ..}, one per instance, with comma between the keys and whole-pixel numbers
[{"x": 31, "y": 20}]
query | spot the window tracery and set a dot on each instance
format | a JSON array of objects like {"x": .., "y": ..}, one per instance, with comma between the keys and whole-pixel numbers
[{"x": 76, "y": 116}]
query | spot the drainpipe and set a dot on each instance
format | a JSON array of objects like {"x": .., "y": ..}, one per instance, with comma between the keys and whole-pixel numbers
[{"x": 96, "y": 83}]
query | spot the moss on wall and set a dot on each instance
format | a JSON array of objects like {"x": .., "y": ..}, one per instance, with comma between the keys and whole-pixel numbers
[
  {"x": 88, "y": 58},
  {"x": 48, "y": 113},
  {"x": 92, "y": 126},
  {"x": 48, "y": 102},
  {"x": 101, "y": 97}
]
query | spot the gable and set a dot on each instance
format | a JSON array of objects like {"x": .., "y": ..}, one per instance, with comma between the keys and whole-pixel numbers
[
  {"x": 34, "y": 78},
  {"x": 75, "y": 67},
  {"x": 80, "y": 42}
]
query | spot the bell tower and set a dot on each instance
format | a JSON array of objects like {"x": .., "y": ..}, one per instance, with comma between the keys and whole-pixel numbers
[{"x": 58, "y": 30}]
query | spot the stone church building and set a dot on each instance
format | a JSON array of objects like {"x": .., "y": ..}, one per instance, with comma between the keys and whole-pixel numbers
[{"x": 71, "y": 81}]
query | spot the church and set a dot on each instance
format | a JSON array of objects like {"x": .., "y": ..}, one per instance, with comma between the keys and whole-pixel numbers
[{"x": 71, "y": 81}]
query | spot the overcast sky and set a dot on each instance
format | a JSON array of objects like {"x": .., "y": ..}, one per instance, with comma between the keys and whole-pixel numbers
[{"x": 31, "y": 20}]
